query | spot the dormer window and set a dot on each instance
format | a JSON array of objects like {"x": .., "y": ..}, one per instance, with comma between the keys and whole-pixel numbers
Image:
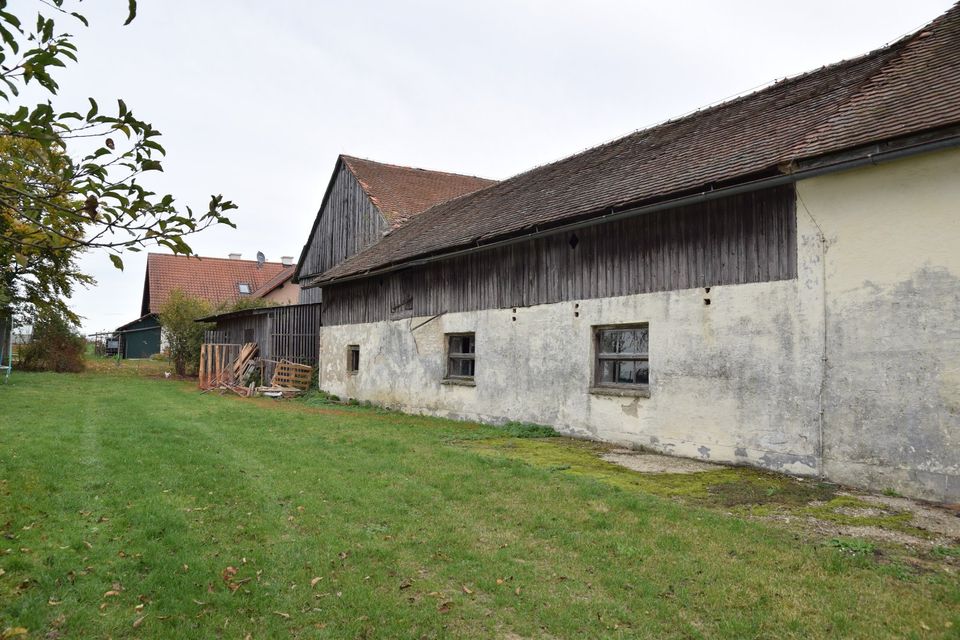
[{"x": 244, "y": 288}]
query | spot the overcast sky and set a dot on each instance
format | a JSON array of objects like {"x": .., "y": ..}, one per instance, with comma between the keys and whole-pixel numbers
[{"x": 256, "y": 99}]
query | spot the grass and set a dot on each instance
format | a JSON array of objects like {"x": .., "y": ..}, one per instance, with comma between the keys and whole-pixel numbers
[{"x": 133, "y": 506}]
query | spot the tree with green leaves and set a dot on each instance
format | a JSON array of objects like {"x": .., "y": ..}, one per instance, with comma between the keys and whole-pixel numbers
[
  {"x": 183, "y": 334},
  {"x": 56, "y": 202}
]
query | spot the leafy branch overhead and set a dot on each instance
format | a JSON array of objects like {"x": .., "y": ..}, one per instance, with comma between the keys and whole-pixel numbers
[{"x": 72, "y": 180}]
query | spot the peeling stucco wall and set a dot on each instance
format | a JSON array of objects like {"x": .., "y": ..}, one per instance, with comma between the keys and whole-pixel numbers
[
  {"x": 892, "y": 401},
  {"x": 732, "y": 381},
  {"x": 743, "y": 379}
]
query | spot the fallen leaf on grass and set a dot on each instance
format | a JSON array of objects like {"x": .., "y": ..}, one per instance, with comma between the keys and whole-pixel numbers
[
  {"x": 282, "y": 614},
  {"x": 406, "y": 584},
  {"x": 13, "y": 632},
  {"x": 314, "y": 581},
  {"x": 111, "y": 593},
  {"x": 517, "y": 591},
  {"x": 445, "y": 607},
  {"x": 466, "y": 590},
  {"x": 139, "y": 621}
]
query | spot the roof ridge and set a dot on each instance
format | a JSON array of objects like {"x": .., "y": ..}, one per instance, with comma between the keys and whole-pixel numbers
[
  {"x": 180, "y": 255},
  {"x": 896, "y": 50},
  {"x": 724, "y": 102},
  {"x": 348, "y": 158},
  {"x": 753, "y": 133}
]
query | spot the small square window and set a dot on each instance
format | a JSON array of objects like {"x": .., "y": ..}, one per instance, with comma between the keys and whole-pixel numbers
[
  {"x": 353, "y": 358},
  {"x": 622, "y": 356},
  {"x": 244, "y": 288},
  {"x": 461, "y": 356}
]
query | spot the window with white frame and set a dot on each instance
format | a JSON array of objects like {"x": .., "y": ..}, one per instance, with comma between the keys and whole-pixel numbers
[{"x": 622, "y": 356}]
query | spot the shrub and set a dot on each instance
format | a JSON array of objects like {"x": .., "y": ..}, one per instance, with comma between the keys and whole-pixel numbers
[
  {"x": 183, "y": 334},
  {"x": 56, "y": 345}
]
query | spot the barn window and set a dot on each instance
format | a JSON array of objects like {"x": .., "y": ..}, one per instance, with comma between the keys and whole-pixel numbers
[
  {"x": 244, "y": 288},
  {"x": 353, "y": 358},
  {"x": 248, "y": 335},
  {"x": 461, "y": 356},
  {"x": 622, "y": 358}
]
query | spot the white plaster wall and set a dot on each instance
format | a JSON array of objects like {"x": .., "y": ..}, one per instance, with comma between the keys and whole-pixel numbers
[
  {"x": 892, "y": 401},
  {"x": 735, "y": 381}
]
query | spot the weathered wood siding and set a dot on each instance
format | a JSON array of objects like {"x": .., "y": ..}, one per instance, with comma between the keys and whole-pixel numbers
[
  {"x": 741, "y": 239},
  {"x": 282, "y": 333},
  {"x": 313, "y": 295},
  {"x": 348, "y": 222}
]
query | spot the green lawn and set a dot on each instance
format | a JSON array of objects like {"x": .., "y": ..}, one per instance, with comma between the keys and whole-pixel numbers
[{"x": 137, "y": 507}]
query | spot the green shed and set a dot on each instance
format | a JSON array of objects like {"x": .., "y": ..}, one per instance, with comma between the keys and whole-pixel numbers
[{"x": 140, "y": 338}]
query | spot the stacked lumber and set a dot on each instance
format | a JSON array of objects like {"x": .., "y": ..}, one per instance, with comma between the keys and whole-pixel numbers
[
  {"x": 239, "y": 374},
  {"x": 215, "y": 360},
  {"x": 246, "y": 363},
  {"x": 236, "y": 374}
]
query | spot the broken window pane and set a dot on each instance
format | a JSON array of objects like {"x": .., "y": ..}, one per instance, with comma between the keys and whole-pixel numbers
[
  {"x": 353, "y": 358},
  {"x": 627, "y": 341},
  {"x": 621, "y": 357},
  {"x": 461, "y": 344},
  {"x": 461, "y": 368},
  {"x": 624, "y": 372},
  {"x": 460, "y": 350}
]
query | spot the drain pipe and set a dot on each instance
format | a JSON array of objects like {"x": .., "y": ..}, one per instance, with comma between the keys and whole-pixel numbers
[{"x": 821, "y": 409}]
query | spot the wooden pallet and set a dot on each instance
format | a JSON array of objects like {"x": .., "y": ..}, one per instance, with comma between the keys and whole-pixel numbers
[{"x": 292, "y": 375}]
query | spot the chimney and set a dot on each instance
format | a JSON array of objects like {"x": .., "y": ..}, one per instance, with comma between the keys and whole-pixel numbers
[
  {"x": 235, "y": 256},
  {"x": 286, "y": 261}
]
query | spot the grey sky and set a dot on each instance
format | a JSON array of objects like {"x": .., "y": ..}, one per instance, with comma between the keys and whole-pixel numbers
[{"x": 256, "y": 99}]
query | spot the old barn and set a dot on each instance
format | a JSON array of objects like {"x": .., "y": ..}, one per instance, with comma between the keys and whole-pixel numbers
[{"x": 771, "y": 281}]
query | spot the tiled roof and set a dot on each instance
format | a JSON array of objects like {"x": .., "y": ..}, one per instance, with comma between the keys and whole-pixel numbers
[
  {"x": 285, "y": 274},
  {"x": 907, "y": 87},
  {"x": 402, "y": 192},
  {"x": 213, "y": 279}
]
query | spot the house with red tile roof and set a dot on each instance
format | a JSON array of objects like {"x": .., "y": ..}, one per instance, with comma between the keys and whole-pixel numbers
[
  {"x": 771, "y": 281},
  {"x": 220, "y": 281}
]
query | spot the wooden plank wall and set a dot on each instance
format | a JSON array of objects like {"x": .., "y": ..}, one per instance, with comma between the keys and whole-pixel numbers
[
  {"x": 281, "y": 333},
  {"x": 348, "y": 223},
  {"x": 741, "y": 239},
  {"x": 295, "y": 334}
]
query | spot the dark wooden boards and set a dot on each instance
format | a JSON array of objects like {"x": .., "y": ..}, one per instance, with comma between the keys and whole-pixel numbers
[{"x": 741, "y": 239}]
